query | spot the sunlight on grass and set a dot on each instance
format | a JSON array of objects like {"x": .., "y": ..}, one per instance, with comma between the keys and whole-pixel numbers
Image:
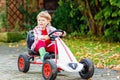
[{"x": 103, "y": 54}]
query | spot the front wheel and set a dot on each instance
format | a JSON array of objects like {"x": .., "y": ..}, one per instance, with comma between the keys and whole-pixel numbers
[
  {"x": 88, "y": 69},
  {"x": 23, "y": 63},
  {"x": 49, "y": 70}
]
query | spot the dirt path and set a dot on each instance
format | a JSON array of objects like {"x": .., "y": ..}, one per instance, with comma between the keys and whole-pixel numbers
[{"x": 9, "y": 70}]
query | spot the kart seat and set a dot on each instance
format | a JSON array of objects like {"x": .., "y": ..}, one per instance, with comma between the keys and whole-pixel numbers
[{"x": 30, "y": 40}]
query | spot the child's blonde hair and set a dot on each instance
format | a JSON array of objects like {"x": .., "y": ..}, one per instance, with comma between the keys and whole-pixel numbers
[{"x": 44, "y": 14}]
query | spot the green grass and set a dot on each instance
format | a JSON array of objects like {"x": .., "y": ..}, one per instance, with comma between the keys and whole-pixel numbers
[{"x": 101, "y": 53}]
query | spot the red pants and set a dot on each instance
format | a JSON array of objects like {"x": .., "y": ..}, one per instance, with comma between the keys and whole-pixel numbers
[{"x": 45, "y": 44}]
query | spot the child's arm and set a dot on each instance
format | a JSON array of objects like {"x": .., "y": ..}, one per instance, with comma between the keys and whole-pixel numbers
[{"x": 37, "y": 34}]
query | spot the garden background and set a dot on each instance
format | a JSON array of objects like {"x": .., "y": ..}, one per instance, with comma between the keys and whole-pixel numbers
[{"x": 92, "y": 26}]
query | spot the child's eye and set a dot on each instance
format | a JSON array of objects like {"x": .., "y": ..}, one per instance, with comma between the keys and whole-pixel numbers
[{"x": 42, "y": 20}]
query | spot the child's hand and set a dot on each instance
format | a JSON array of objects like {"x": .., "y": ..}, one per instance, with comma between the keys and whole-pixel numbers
[
  {"x": 64, "y": 34},
  {"x": 46, "y": 37}
]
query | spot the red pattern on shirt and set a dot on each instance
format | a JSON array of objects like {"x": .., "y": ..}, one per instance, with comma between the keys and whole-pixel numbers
[{"x": 44, "y": 32}]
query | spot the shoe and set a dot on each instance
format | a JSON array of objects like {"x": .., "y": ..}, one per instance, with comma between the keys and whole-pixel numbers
[{"x": 46, "y": 56}]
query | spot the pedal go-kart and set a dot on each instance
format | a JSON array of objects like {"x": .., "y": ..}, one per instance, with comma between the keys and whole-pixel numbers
[{"x": 61, "y": 60}]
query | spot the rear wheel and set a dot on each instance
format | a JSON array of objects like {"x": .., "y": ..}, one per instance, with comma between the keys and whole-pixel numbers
[
  {"x": 23, "y": 63},
  {"x": 49, "y": 70},
  {"x": 88, "y": 69}
]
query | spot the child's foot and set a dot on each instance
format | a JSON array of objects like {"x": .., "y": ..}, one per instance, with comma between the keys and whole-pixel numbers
[{"x": 46, "y": 56}]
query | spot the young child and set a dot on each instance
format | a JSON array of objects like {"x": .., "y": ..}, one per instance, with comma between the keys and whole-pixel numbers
[{"x": 41, "y": 32}]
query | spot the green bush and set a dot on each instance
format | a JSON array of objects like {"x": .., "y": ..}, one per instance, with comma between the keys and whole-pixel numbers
[
  {"x": 109, "y": 15},
  {"x": 3, "y": 19},
  {"x": 30, "y": 12},
  {"x": 12, "y": 36},
  {"x": 112, "y": 34},
  {"x": 69, "y": 18}
]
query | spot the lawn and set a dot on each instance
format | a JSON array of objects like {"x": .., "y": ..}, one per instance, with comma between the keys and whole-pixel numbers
[{"x": 103, "y": 54}]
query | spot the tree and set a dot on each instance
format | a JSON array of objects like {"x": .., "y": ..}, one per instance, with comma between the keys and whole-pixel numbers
[{"x": 103, "y": 17}]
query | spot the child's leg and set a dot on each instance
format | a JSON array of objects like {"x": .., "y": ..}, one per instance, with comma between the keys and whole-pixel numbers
[
  {"x": 42, "y": 52},
  {"x": 51, "y": 48},
  {"x": 40, "y": 47},
  {"x": 39, "y": 44}
]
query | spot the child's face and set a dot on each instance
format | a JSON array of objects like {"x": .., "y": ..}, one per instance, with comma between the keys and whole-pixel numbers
[{"x": 42, "y": 22}]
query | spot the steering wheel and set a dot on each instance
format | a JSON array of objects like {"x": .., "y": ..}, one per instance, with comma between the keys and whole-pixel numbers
[{"x": 52, "y": 34}]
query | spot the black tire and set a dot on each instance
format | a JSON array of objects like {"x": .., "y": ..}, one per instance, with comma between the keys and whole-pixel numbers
[
  {"x": 23, "y": 63},
  {"x": 88, "y": 69},
  {"x": 49, "y": 70}
]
